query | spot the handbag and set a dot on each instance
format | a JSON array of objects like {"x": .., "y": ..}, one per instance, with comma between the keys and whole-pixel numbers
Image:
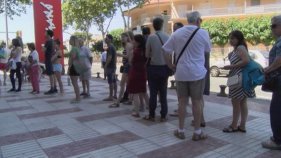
[
  {"x": 234, "y": 81},
  {"x": 270, "y": 83}
]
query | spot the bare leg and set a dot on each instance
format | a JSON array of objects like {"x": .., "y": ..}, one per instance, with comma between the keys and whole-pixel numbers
[
  {"x": 5, "y": 77},
  {"x": 244, "y": 113},
  {"x": 235, "y": 113},
  {"x": 182, "y": 111},
  {"x": 87, "y": 82},
  {"x": 58, "y": 76},
  {"x": 197, "y": 112},
  {"x": 74, "y": 81},
  {"x": 122, "y": 87}
]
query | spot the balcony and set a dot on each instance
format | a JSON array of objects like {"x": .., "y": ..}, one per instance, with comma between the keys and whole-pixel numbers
[{"x": 271, "y": 8}]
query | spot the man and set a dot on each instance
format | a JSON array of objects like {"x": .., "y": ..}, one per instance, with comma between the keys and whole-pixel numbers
[
  {"x": 110, "y": 68},
  {"x": 49, "y": 49},
  {"x": 190, "y": 70},
  {"x": 274, "y": 142},
  {"x": 177, "y": 25},
  {"x": 86, "y": 54},
  {"x": 157, "y": 70},
  {"x": 4, "y": 55}
]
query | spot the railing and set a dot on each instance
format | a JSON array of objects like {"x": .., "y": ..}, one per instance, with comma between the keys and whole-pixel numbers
[{"x": 271, "y": 8}]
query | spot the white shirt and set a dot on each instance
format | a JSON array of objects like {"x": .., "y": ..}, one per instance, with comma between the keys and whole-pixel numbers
[
  {"x": 103, "y": 56},
  {"x": 86, "y": 54},
  {"x": 191, "y": 64},
  {"x": 18, "y": 52},
  {"x": 35, "y": 56}
]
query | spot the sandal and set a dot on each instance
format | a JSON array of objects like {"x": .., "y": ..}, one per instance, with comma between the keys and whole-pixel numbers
[
  {"x": 197, "y": 137},
  {"x": 134, "y": 114},
  {"x": 270, "y": 144},
  {"x": 230, "y": 129},
  {"x": 241, "y": 129},
  {"x": 74, "y": 101},
  {"x": 149, "y": 118},
  {"x": 115, "y": 105},
  {"x": 179, "y": 135}
]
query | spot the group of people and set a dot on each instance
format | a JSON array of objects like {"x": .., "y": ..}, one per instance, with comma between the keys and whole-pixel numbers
[
  {"x": 186, "y": 52},
  {"x": 152, "y": 58}
]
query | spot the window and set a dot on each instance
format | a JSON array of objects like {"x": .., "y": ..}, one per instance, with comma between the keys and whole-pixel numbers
[{"x": 255, "y": 2}]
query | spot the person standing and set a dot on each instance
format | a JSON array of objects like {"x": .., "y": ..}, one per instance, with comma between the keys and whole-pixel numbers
[
  {"x": 124, "y": 69},
  {"x": 33, "y": 59},
  {"x": 4, "y": 55},
  {"x": 15, "y": 57},
  {"x": 103, "y": 60},
  {"x": 73, "y": 67},
  {"x": 57, "y": 66},
  {"x": 110, "y": 68},
  {"x": 87, "y": 57},
  {"x": 157, "y": 71},
  {"x": 274, "y": 142},
  {"x": 189, "y": 69},
  {"x": 49, "y": 49},
  {"x": 137, "y": 73}
]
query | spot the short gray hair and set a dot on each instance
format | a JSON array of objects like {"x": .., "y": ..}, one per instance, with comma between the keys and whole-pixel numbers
[
  {"x": 193, "y": 16},
  {"x": 276, "y": 19}
]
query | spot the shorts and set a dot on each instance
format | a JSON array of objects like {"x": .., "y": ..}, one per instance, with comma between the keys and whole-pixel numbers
[
  {"x": 193, "y": 89},
  {"x": 73, "y": 72},
  {"x": 57, "y": 67},
  {"x": 110, "y": 74},
  {"x": 86, "y": 75},
  {"x": 49, "y": 69},
  {"x": 3, "y": 66}
]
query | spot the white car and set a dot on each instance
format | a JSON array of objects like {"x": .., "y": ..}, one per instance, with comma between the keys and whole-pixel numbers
[{"x": 260, "y": 57}]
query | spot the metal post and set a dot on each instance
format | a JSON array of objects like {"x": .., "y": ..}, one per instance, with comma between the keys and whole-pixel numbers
[{"x": 6, "y": 20}]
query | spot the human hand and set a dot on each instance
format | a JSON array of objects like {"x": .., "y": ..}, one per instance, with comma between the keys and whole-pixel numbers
[{"x": 227, "y": 67}]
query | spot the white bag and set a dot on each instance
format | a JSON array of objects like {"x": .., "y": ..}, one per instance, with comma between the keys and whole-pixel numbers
[{"x": 235, "y": 81}]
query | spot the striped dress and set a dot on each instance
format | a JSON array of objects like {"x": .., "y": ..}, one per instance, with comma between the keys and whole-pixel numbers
[{"x": 238, "y": 92}]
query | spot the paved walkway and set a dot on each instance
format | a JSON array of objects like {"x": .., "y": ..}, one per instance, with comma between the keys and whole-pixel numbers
[{"x": 49, "y": 126}]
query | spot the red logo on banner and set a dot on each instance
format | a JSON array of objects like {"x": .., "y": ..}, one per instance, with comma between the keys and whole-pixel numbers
[{"x": 47, "y": 16}]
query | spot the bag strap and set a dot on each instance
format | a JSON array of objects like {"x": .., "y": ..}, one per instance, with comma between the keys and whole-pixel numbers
[
  {"x": 174, "y": 55},
  {"x": 187, "y": 43}
]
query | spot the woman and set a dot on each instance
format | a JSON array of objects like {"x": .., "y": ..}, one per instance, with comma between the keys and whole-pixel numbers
[
  {"x": 57, "y": 67},
  {"x": 274, "y": 143},
  {"x": 73, "y": 68},
  {"x": 15, "y": 59},
  {"x": 33, "y": 59},
  {"x": 137, "y": 74},
  {"x": 238, "y": 58},
  {"x": 128, "y": 49}
]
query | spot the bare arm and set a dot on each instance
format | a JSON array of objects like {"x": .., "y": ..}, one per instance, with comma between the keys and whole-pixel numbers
[
  {"x": 243, "y": 54},
  {"x": 275, "y": 65}
]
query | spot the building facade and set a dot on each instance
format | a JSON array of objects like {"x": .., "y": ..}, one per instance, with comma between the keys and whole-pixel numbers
[{"x": 175, "y": 10}]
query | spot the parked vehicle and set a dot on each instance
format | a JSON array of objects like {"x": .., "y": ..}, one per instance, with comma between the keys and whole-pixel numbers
[{"x": 259, "y": 56}]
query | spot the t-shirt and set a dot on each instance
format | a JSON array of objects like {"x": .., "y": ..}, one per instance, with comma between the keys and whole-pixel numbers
[
  {"x": 86, "y": 54},
  {"x": 49, "y": 50},
  {"x": 103, "y": 56},
  {"x": 191, "y": 65},
  {"x": 4, "y": 55},
  {"x": 35, "y": 57},
  {"x": 111, "y": 51}
]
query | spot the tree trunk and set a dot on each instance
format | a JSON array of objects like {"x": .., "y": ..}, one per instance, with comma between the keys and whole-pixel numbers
[
  {"x": 123, "y": 17},
  {"x": 222, "y": 50},
  {"x": 128, "y": 20}
]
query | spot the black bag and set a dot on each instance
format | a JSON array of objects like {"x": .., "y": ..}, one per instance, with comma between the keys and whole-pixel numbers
[
  {"x": 121, "y": 69},
  {"x": 271, "y": 81}
]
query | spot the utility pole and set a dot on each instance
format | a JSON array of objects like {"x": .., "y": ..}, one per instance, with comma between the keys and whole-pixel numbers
[{"x": 6, "y": 20}]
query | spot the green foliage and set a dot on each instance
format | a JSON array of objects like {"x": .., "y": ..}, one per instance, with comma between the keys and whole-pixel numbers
[
  {"x": 15, "y": 7},
  {"x": 116, "y": 33},
  {"x": 256, "y": 29},
  {"x": 83, "y": 35},
  {"x": 98, "y": 46}
]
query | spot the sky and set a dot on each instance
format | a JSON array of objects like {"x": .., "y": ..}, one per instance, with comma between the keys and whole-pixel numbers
[{"x": 25, "y": 23}]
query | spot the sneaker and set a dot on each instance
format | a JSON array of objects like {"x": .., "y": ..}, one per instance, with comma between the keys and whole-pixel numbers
[
  {"x": 270, "y": 144},
  {"x": 123, "y": 100},
  {"x": 197, "y": 137},
  {"x": 82, "y": 94},
  {"x": 55, "y": 91},
  {"x": 12, "y": 90},
  {"x": 18, "y": 90},
  {"x": 49, "y": 92},
  {"x": 87, "y": 96},
  {"x": 179, "y": 135}
]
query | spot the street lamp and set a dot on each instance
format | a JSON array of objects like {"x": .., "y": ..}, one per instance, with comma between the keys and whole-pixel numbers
[{"x": 6, "y": 20}]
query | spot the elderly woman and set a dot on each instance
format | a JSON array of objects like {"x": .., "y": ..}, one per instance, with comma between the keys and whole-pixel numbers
[{"x": 274, "y": 142}]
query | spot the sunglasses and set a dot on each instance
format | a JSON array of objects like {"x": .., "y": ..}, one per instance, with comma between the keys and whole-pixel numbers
[{"x": 273, "y": 26}]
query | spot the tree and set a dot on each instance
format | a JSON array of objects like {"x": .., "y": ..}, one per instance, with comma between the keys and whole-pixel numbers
[
  {"x": 14, "y": 7},
  {"x": 127, "y": 4},
  {"x": 116, "y": 33},
  {"x": 83, "y": 35}
]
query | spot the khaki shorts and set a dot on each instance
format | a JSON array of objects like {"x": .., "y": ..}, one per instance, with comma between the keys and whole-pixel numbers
[{"x": 193, "y": 89}]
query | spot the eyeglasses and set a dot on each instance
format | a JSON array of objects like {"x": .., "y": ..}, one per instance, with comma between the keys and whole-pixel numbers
[{"x": 273, "y": 26}]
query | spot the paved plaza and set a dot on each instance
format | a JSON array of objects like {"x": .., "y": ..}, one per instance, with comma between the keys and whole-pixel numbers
[{"x": 40, "y": 126}]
